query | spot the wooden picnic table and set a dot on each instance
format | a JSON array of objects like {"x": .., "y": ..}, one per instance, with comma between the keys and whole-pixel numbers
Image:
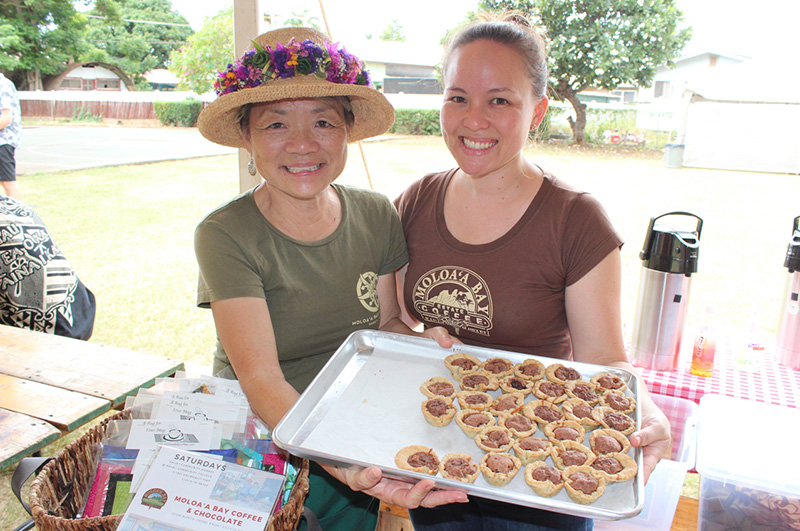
[{"x": 50, "y": 385}]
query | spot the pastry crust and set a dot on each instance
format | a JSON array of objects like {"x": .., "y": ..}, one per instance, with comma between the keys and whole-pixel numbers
[
  {"x": 478, "y": 381},
  {"x": 580, "y": 411},
  {"x": 571, "y": 475},
  {"x": 441, "y": 420},
  {"x": 499, "y": 367},
  {"x": 438, "y": 386},
  {"x": 560, "y": 373},
  {"x": 507, "y": 403},
  {"x": 494, "y": 439},
  {"x": 469, "y": 468},
  {"x": 563, "y": 453},
  {"x": 618, "y": 401},
  {"x": 558, "y": 431},
  {"x": 517, "y": 424},
  {"x": 605, "y": 381},
  {"x": 552, "y": 391},
  {"x": 595, "y": 438},
  {"x": 489, "y": 464},
  {"x": 529, "y": 456},
  {"x": 536, "y": 409},
  {"x": 611, "y": 419},
  {"x": 463, "y": 400},
  {"x": 401, "y": 459},
  {"x": 628, "y": 472},
  {"x": 469, "y": 429},
  {"x": 516, "y": 384},
  {"x": 530, "y": 369},
  {"x": 547, "y": 488},
  {"x": 458, "y": 363},
  {"x": 586, "y": 391}
]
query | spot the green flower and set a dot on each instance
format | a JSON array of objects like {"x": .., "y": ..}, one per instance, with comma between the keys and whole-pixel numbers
[
  {"x": 260, "y": 59},
  {"x": 304, "y": 66}
]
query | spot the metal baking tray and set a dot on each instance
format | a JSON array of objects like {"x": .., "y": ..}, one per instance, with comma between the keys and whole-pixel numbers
[{"x": 365, "y": 405}]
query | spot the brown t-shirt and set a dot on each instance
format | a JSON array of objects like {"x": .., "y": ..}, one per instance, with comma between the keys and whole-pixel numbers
[{"x": 509, "y": 293}]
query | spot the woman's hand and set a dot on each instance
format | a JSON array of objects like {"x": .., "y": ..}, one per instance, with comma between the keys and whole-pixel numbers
[
  {"x": 408, "y": 495},
  {"x": 441, "y": 336},
  {"x": 653, "y": 437}
]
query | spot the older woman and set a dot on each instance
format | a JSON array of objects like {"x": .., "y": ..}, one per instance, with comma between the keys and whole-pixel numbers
[{"x": 293, "y": 266}]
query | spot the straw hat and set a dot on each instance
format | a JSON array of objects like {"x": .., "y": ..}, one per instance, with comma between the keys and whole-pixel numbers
[{"x": 294, "y": 63}]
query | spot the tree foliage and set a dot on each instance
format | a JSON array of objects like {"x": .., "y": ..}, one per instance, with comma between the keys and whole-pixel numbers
[
  {"x": 602, "y": 43},
  {"x": 205, "y": 53},
  {"x": 126, "y": 35},
  {"x": 393, "y": 32},
  {"x": 303, "y": 19}
]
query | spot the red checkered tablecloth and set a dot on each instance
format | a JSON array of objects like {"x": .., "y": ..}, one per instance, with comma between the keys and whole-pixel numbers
[{"x": 765, "y": 380}]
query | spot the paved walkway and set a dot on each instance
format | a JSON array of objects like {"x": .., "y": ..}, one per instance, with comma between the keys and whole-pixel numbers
[{"x": 54, "y": 148}]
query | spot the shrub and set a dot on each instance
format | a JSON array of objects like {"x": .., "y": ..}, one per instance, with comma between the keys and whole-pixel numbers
[
  {"x": 178, "y": 113},
  {"x": 416, "y": 122}
]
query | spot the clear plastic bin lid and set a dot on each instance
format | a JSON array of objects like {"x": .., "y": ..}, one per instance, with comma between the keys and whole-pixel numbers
[{"x": 749, "y": 443}]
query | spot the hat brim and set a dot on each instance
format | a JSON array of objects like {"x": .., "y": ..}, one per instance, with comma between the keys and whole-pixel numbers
[{"x": 373, "y": 113}]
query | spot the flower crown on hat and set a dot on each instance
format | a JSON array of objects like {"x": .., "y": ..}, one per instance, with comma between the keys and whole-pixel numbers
[{"x": 259, "y": 65}]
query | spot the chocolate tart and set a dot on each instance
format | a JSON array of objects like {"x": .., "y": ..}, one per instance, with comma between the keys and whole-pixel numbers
[
  {"x": 459, "y": 362},
  {"x": 530, "y": 369},
  {"x": 519, "y": 424},
  {"x": 458, "y": 467},
  {"x": 499, "y": 367},
  {"x": 552, "y": 391},
  {"x": 564, "y": 430},
  {"x": 438, "y": 411},
  {"x": 618, "y": 401},
  {"x": 606, "y": 381},
  {"x": 478, "y": 381},
  {"x": 507, "y": 403},
  {"x": 586, "y": 391},
  {"x": 472, "y": 421},
  {"x": 560, "y": 373},
  {"x": 438, "y": 386},
  {"x": 546, "y": 482},
  {"x": 571, "y": 453},
  {"x": 418, "y": 458},
  {"x": 615, "y": 467},
  {"x": 580, "y": 411},
  {"x": 605, "y": 441},
  {"x": 477, "y": 400},
  {"x": 516, "y": 384},
  {"x": 543, "y": 412},
  {"x": 494, "y": 439},
  {"x": 499, "y": 468},
  {"x": 584, "y": 484},
  {"x": 608, "y": 418},
  {"x": 531, "y": 449}
]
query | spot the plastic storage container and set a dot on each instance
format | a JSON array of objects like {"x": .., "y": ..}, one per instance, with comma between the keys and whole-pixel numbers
[
  {"x": 663, "y": 489},
  {"x": 748, "y": 463}
]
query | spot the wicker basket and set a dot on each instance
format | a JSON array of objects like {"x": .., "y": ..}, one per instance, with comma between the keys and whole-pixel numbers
[{"x": 59, "y": 491}]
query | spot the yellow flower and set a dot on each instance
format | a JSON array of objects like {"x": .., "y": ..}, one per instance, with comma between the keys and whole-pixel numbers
[
  {"x": 230, "y": 75},
  {"x": 292, "y": 61}
]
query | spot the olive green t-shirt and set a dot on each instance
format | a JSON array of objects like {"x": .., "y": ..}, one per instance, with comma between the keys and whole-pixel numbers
[{"x": 319, "y": 292}]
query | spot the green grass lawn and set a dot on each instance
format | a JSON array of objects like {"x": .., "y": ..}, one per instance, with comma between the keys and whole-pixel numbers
[{"x": 128, "y": 232}]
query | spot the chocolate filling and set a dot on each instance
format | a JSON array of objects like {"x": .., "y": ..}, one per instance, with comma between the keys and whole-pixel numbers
[
  {"x": 475, "y": 419},
  {"x": 605, "y": 444},
  {"x": 572, "y": 457},
  {"x": 533, "y": 444},
  {"x": 516, "y": 383},
  {"x": 617, "y": 421},
  {"x": 520, "y": 423},
  {"x": 584, "y": 392},
  {"x": 441, "y": 388},
  {"x": 564, "y": 433},
  {"x": 551, "y": 389},
  {"x": 424, "y": 459},
  {"x": 474, "y": 380},
  {"x": 496, "y": 366},
  {"x": 547, "y": 473},
  {"x": 496, "y": 439},
  {"x": 505, "y": 403},
  {"x": 582, "y": 411},
  {"x": 464, "y": 363},
  {"x": 459, "y": 467},
  {"x": 609, "y": 381},
  {"x": 476, "y": 399},
  {"x": 617, "y": 402},
  {"x": 607, "y": 464},
  {"x": 583, "y": 482},
  {"x": 500, "y": 464},
  {"x": 437, "y": 407},
  {"x": 548, "y": 413},
  {"x": 530, "y": 369},
  {"x": 567, "y": 373}
]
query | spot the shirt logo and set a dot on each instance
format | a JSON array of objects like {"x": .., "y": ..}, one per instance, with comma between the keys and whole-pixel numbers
[
  {"x": 456, "y": 297},
  {"x": 367, "y": 291}
]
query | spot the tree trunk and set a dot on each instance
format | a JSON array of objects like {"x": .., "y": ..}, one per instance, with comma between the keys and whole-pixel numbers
[{"x": 578, "y": 125}]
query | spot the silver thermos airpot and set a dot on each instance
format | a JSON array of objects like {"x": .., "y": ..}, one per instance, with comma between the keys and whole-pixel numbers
[
  {"x": 787, "y": 343},
  {"x": 669, "y": 257}
]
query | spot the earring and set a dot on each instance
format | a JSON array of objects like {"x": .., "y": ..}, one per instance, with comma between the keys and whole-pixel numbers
[{"x": 251, "y": 167}]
